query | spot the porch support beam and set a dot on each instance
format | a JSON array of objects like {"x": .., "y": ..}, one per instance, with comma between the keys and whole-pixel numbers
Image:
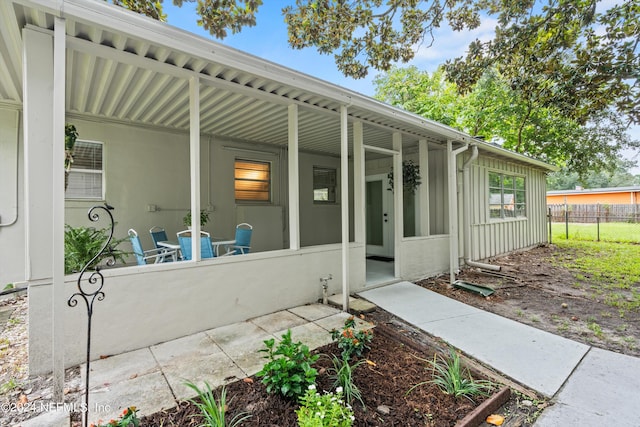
[
  {"x": 37, "y": 78},
  {"x": 398, "y": 202},
  {"x": 358, "y": 183},
  {"x": 423, "y": 190},
  {"x": 294, "y": 174},
  {"x": 344, "y": 201},
  {"x": 452, "y": 170},
  {"x": 194, "y": 156},
  {"x": 57, "y": 132}
]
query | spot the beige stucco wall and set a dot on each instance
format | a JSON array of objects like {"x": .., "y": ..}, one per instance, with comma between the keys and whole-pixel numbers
[{"x": 150, "y": 304}]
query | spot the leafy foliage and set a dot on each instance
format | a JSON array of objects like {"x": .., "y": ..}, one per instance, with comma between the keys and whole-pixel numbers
[
  {"x": 493, "y": 110},
  {"x": 289, "y": 370},
  {"x": 129, "y": 418},
  {"x": 81, "y": 244},
  {"x": 352, "y": 341},
  {"x": 213, "y": 410},
  {"x": 618, "y": 177},
  {"x": 324, "y": 410},
  {"x": 453, "y": 379},
  {"x": 410, "y": 176}
]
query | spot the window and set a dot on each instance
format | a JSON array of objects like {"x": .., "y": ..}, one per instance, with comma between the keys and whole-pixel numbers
[
  {"x": 324, "y": 185},
  {"x": 252, "y": 181},
  {"x": 507, "y": 196},
  {"x": 85, "y": 176}
]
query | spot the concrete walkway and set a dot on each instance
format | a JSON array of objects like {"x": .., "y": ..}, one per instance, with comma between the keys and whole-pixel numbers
[
  {"x": 590, "y": 387},
  {"x": 153, "y": 378}
]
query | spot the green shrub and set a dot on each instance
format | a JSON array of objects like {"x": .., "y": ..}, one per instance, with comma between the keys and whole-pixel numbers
[
  {"x": 213, "y": 410},
  {"x": 289, "y": 370},
  {"x": 353, "y": 342},
  {"x": 81, "y": 244},
  {"x": 326, "y": 410}
]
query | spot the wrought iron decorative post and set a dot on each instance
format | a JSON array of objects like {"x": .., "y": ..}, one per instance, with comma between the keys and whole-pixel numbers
[{"x": 92, "y": 291}]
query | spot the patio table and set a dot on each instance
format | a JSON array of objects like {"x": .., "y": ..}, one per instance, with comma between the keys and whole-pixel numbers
[
  {"x": 173, "y": 246},
  {"x": 217, "y": 242}
]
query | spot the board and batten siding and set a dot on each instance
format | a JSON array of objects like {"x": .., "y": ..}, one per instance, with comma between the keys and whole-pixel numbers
[{"x": 493, "y": 236}]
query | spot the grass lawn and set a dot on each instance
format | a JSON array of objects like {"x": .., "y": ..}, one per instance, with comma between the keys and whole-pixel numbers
[
  {"x": 610, "y": 271},
  {"x": 609, "y": 232}
]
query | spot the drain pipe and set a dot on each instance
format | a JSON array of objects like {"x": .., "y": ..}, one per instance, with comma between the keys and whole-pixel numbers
[
  {"x": 452, "y": 182},
  {"x": 466, "y": 214}
]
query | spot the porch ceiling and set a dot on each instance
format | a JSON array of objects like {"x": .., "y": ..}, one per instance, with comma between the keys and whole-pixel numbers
[{"x": 137, "y": 70}]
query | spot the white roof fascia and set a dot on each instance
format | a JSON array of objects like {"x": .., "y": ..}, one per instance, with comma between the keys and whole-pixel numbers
[
  {"x": 118, "y": 19},
  {"x": 485, "y": 146}
]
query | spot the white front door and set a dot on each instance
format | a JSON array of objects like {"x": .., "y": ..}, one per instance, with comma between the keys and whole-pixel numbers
[{"x": 379, "y": 214}]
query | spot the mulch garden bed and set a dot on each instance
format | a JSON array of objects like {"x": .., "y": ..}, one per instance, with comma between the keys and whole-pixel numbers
[{"x": 396, "y": 367}]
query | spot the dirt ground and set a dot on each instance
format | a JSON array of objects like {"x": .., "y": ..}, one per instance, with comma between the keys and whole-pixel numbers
[
  {"x": 533, "y": 290},
  {"x": 397, "y": 364}
]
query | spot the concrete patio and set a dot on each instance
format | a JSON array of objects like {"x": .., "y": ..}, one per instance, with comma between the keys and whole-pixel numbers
[{"x": 153, "y": 378}]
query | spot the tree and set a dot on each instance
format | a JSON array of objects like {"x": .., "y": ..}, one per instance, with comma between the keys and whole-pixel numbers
[
  {"x": 497, "y": 112},
  {"x": 619, "y": 177}
]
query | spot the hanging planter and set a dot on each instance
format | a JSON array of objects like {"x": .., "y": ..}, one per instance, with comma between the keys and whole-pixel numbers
[
  {"x": 70, "y": 136},
  {"x": 410, "y": 177}
]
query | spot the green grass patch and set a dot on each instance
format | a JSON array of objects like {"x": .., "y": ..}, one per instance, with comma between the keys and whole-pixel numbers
[
  {"x": 625, "y": 232},
  {"x": 613, "y": 278}
]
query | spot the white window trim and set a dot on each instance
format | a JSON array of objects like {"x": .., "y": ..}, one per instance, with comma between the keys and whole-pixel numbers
[
  {"x": 102, "y": 171},
  {"x": 526, "y": 192}
]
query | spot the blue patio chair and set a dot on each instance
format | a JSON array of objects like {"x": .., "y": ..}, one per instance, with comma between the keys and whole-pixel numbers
[
  {"x": 158, "y": 235},
  {"x": 242, "y": 242},
  {"x": 142, "y": 256},
  {"x": 206, "y": 248}
]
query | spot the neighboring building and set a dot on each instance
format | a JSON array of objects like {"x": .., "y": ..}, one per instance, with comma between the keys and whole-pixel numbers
[
  {"x": 610, "y": 196},
  {"x": 170, "y": 122}
]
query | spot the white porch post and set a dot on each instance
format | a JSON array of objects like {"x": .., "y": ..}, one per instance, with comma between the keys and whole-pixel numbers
[
  {"x": 358, "y": 183},
  {"x": 423, "y": 190},
  {"x": 344, "y": 200},
  {"x": 194, "y": 156},
  {"x": 398, "y": 201},
  {"x": 59, "y": 300},
  {"x": 294, "y": 177},
  {"x": 39, "y": 227}
]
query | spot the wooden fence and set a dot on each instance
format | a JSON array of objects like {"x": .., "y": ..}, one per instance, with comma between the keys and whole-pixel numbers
[{"x": 594, "y": 213}]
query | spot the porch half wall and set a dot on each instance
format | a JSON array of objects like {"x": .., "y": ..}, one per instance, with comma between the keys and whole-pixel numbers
[{"x": 147, "y": 305}]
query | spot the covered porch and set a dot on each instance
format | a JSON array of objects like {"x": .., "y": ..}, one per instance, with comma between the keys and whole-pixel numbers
[{"x": 172, "y": 116}]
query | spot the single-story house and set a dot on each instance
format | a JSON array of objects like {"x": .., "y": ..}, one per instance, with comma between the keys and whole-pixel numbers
[
  {"x": 168, "y": 123},
  {"x": 591, "y": 196}
]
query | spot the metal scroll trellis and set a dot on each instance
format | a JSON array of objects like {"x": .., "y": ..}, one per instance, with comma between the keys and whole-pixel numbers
[{"x": 92, "y": 291}]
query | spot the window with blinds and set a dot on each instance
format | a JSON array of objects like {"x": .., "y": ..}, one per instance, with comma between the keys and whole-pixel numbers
[
  {"x": 85, "y": 179},
  {"x": 252, "y": 181},
  {"x": 324, "y": 185}
]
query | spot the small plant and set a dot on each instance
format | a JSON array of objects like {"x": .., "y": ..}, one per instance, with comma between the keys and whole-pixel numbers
[
  {"x": 213, "y": 410},
  {"x": 352, "y": 342},
  {"x": 342, "y": 375},
  {"x": 289, "y": 370},
  {"x": 324, "y": 410},
  {"x": 129, "y": 418},
  {"x": 204, "y": 218},
  {"x": 452, "y": 379},
  {"x": 596, "y": 329},
  {"x": 10, "y": 385},
  {"x": 81, "y": 244}
]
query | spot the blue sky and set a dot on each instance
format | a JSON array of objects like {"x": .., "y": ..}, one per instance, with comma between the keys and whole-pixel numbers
[{"x": 268, "y": 40}]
